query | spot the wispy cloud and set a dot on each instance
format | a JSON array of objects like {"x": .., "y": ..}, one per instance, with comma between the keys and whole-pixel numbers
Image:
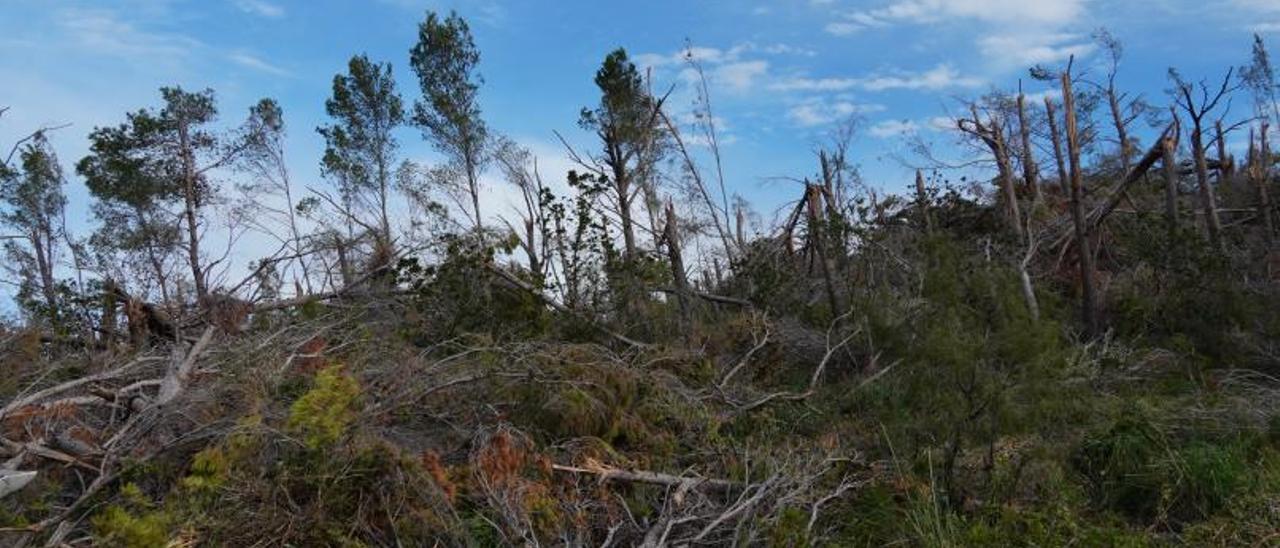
[
  {"x": 889, "y": 129},
  {"x": 260, "y": 8},
  {"x": 739, "y": 76},
  {"x": 716, "y": 56},
  {"x": 251, "y": 61},
  {"x": 819, "y": 111},
  {"x": 940, "y": 77},
  {"x": 103, "y": 32},
  {"x": 1032, "y": 48},
  {"x": 1023, "y": 12}
]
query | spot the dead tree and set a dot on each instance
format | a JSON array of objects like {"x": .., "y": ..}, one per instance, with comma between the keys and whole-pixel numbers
[
  {"x": 1057, "y": 147},
  {"x": 922, "y": 204},
  {"x": 818, "y": 225},
  {"x": 991, "y": 134},
  {"x": 1197, "y": 101},
  {"x": 1077, "y": 211},
  {"x": 1259, "y": 172},
  {"x": 1030, "y": 171},
  {"x": 1226, "y": 164},
  {"x": 1169, "y": 149},
  {"x": 671, "y": 235}
]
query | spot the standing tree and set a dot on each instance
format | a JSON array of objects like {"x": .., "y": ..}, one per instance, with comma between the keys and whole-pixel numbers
[
  {"x": 34, "y": 204},
  {"x": 266, "y": 164},
  {"x": 445, "y": 60},
  {"x": 158, "y": 159},
  {"x": 1198, "y": 100},
  {"x": 520, "y": 168},
  {"x": 1260, "y": 77},
  {"x": 1085, "y": 254},
  {"x": 992, "y": 135},
  {"x": 1122, "y": 109},
  {"x": 359, "y": 146},
  {"x": 626, "y": 121}
]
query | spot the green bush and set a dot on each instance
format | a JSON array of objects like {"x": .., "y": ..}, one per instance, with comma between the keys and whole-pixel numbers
[{"x": 323, "y": 414}]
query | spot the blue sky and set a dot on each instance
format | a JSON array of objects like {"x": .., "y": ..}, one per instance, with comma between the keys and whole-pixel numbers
[{"x": 782, "y": 72}]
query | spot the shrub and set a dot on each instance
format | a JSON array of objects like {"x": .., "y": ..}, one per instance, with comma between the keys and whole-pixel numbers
[{"x": 323, "y": 414}]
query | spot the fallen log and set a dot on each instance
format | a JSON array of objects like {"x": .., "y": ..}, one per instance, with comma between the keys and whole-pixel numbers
[{"x": 606, "y": 474}]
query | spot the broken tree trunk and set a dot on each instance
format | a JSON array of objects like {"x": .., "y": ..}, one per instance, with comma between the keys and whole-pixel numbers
[
  {"x": 672, "y": 236},
  {"x": 1262, "y": 179},
  {"x": 1169, "y": 161},
  {"x": 817, "y": 241},
  {"x": 1030, "y": 172},
  {"x": 1085, "y": 255},
  {"x": 922, "y": 204},
  {"x": 1207, "y": 200},
  {"x": 1057, "y": 147},
  {"x": 1006, "y": 178},
  {"x": 1226, "y": 164},
  {"x": 1153, "y": 155}
]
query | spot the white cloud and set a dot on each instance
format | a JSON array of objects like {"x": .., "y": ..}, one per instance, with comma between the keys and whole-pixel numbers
[
  {"x": 942, "y": 76},
  {"x": 817, "y": 112},
  {"x": 716, "y": 56},
  {"x": 812, "y": 84},
  {"x": 1020, "y": 12},
  {"x": 1258, "y": 5},
  {"x": 1024, "y": 49},
  {"x": 740, "y": 76},
  {"x": 260, "y": 8},
  {"x": 102, "y": 32},
  {"x": 1263, "y": 28},
  {"x": 889, "y": 129},
  {"x": 250, "y": 61},
  {"x": 842, "y": 28}
]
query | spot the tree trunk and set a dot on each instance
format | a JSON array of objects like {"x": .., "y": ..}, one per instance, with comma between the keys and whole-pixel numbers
[
  {"x": 44, "y": 269},
  {"x": 1030, "y": 171},
  {"x": 1170, "y": 164},
  {"x": 474, "y": 188},
  {"x": 1263, "y": 182},
  {"x": 1226, "y": 166},
  {"x": 1207, "y": 200},
  {"x": 1122, "y": 133},
  {"x": 1057, "y": 147},
  {"x": 191, "y": 203},
  {"x": 1005, "y": 167},
  {"x": 679, "y": 280},
  {"x": 1077, "y": 213},
  {"x": 922, "y": 204},
  {"x": 817, "y": 231}
]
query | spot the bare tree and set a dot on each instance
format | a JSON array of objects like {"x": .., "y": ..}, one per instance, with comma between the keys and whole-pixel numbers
[
  {"x": 1084, "y": 253},
  {"x": 992, "y": 135},
  {"x": 1198, "y": 100},
  {"x": 520, "y": 168}
]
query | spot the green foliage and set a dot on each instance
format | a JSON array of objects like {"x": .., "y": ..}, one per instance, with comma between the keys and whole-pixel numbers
[
  {"x": 132, "y": 524},
  {"x": 359, "y": 144},
  {"x": 461, "y": 294},
  {"x": 323, "y": 414}
]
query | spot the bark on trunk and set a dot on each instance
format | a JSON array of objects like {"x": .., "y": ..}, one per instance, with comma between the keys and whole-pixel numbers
[
  {"x": 1264, "y": 181},
  {"x": 1077, "y": 213},
  {"x": 190, "y": 194},
  {"x": 1057, "y": 147},
  {"x": 1005, "y": 167},
  {"x": 1207, "y": 200},
  {"x": 922, "y": 203},
  {"x": 1170, "y": 164},
  {"x": 1030, "y": 171},
  {"x": 679, "y": 280}
]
